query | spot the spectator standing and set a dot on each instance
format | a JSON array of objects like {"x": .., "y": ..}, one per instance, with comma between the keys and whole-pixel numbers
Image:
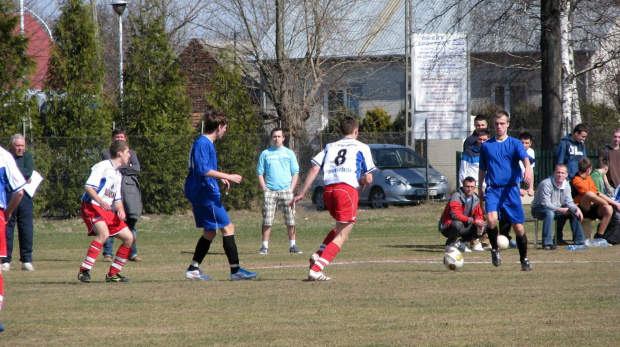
[
  {"x": 131, "y": 194},
  {"x": 499, "y": 166},
  {"x": 463, "y": 217},
  {"x": 278, "y": 172},
  {"x": 553, "y": 201},
  {"x": 203, "y": 191},
  {"x": 470, "y": 159},
  {"x": 347, "y": 164},
  {"x": 570, "y": 150},
  {"x": 23, "y": 214},
  {"x": 611, "y": 154},
  {"x": 526, "y": 140},
  {"x": 479, "y": 123},
  {"x": 11, "y": 181}
]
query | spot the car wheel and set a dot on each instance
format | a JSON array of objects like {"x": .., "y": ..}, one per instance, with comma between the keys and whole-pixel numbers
[
  {"x": 377, "y": 198},
  {"x": 317, "y": 199}
]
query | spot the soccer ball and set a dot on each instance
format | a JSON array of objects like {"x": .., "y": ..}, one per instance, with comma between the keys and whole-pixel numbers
[
  {"x": 453, "y": 259},
  {"x": 502, "y": 242}
]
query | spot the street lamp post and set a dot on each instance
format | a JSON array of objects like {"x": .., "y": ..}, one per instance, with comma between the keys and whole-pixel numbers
[{"x": 119, "y": 8}]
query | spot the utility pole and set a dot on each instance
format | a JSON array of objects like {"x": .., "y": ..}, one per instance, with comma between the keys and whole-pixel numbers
[{"x": 408, "y": 75}]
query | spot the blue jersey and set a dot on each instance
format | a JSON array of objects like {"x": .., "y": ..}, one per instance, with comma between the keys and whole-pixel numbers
[
  {"x": 11, "y": 179},
  {"x": 278, "y": 166},
  {"x": 199, "y": 189},
  {"x": 500, "y": 160}
]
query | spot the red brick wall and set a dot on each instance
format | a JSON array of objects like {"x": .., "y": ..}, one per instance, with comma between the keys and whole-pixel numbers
[{"x": 198, "y": 65}]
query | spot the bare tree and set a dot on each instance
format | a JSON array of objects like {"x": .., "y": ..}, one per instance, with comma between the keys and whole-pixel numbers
[{"x": 294, "y": 51}]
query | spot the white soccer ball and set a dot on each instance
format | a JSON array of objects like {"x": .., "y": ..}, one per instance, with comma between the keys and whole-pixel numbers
[
  {"x": 502, "y": 242},
  {"x": 453, "y": 259}
]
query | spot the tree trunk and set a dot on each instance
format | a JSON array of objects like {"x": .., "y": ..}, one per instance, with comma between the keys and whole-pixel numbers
[{"x": 551, "y": 73}]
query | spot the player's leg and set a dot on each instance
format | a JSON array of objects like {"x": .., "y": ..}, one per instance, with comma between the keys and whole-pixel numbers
[
  {"x": 521, "y": 239},
  {"x": 2, "y": 255},
  {"x": 269, "y": 210},
  {"x": 342, "y": 204},
  {"x": 201, "y": 217},
  {"x": 131, "y": 224},
  {"x": 122, "y": 254},
  {"x": 100, "y": 230},
  {"x": 493, "y": 232},
  {"x": 230, "y": 248}
]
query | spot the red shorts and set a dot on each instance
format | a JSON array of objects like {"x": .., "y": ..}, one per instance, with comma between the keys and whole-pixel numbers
[
  {"x": 2, "y": 235},
  {"x": 341, "y": 201},
  {"x": 93, "y": 214}
]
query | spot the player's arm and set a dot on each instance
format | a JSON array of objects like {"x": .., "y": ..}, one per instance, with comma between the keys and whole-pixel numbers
[
  {"x": 226, "y": 178},
  {"x": 307, "y": 183},
  {"x": 92, "y": 193},
  {"x": 481, "y": 175},
  {"x": 528, "y": 173},
  {"x": 366, "y": 180},
  {"x": 15, "y": 199},
  {"x": 120, "y": 209}
]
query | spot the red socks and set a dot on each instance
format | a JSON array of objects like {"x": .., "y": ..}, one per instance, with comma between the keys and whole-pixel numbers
[
  {"x": 328, "y": 239},
  {"x": 121, "y": 258},
  {"x": 326, "y": 257},
  {"x": 91, "y": 256}
]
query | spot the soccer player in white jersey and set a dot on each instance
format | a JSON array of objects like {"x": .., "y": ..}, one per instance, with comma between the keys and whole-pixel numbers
[
  {"x": 103, "y": 213},
  {"x": 11, "y": 180},
  {"x": 347, "y": 164}
]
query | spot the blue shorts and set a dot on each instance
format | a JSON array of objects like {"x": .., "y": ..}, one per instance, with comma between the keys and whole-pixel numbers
[
  {"x": 508, "y": 199},
  {"x": 211, "y": 217}
]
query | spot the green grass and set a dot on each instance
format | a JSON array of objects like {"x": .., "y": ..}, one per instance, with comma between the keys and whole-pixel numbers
[{"x": 388, "y": 288}]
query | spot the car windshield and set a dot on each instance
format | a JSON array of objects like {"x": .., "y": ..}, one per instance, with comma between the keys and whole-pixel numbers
[{"x": 397, "y": 158}]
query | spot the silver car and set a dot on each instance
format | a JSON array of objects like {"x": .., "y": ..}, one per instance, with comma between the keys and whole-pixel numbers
[{"x": 400, "y": 178}]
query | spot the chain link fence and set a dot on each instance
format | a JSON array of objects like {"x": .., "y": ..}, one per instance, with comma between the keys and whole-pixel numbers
[{"x": 65, "y": 165}]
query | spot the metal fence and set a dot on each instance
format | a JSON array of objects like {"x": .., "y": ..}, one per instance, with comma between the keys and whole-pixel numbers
[{"x": 65, "y": 165}]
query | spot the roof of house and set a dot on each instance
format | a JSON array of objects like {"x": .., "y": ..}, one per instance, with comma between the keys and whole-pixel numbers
[
  {"x": 377, "y": 27},
  {"x": 39, "y": 48}
]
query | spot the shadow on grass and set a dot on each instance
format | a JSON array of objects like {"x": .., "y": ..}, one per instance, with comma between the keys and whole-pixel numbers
[{"x": 420, "y": 248}]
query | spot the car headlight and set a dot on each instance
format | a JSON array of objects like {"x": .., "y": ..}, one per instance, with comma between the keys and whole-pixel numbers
[
  {"x": 393, "y": 181},
  {"x": 443, "y": 179}
]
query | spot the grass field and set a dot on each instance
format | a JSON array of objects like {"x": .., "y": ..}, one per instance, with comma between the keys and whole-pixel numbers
[{"x": 388, "y": 288}]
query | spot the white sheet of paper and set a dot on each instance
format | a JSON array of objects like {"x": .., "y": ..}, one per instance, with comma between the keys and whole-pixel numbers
[{"x": 35, "y": 180}]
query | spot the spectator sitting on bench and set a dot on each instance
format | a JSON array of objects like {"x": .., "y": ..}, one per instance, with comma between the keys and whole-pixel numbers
[
  {"x": 592, "y": 203},
  {"x": 599, "y": 177},
  {"x": 553, "y": 201}
]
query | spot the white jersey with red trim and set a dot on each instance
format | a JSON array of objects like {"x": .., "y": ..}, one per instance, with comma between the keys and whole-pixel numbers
[
  {"x": 11, "y": 179},
  {"x": 344, "y": 161},
  {"x": 106, "y": 180}
]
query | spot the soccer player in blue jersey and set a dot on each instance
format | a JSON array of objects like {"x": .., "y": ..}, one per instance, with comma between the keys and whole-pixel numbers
[
  {"x": 203, "y": 191},
  {"x": 499, "y": 168}
]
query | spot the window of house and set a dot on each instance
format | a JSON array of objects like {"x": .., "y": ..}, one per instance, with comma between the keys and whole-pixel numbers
[
  {"x": 344, "y": 100},
  {"x": 507, "y": 96}
]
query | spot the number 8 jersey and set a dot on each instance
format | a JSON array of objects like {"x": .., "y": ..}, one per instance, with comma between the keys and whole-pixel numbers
[{"x": 344, "y": 161}]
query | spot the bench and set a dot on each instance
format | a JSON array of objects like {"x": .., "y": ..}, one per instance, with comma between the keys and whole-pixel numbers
[{"x": 586, "y": 225}]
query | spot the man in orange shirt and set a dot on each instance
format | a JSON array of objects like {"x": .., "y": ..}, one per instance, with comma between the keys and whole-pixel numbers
[{"x": 592, "y": 203}]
